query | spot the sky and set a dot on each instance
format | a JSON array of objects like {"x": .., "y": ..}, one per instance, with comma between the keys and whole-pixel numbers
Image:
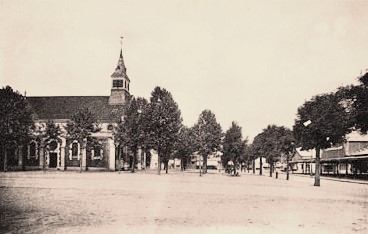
[{"x": 252, "y": 62}]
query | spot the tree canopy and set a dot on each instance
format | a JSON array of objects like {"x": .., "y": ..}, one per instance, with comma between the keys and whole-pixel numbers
[
  {"x": 185, "y": 146},
  {"x": 355, "y": 100},
  {"x": 131, "y": 131},
  {"x": 208, "y": 135},
  {"x": 321, "y": 123},
  {"x": 163, "y": 123},
  {"x": 16, "y": 121},
  {"x": 83, "y": 123},
  {"x": 272, "y": 142},
  {"x": 81, "y": 127},
  {"x": 233, "y": 145}
]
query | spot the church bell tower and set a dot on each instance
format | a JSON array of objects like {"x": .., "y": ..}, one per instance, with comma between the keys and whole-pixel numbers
[{"x": 120, "y": 83}]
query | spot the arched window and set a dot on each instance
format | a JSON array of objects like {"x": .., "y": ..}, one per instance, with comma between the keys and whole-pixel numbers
[
  {"x": 97, "y": 151},
  {"x": 75, "y": 149},
  {"x": 32, "y": 149}
]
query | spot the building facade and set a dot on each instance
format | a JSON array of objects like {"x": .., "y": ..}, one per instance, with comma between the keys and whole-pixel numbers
[
  {"x": 65, "y": 153},
  {"x": 349, "y": 158}
]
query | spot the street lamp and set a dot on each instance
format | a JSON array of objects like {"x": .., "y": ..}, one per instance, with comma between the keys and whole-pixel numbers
[
  {"x": 317, "y": 163},
  {"x": 307, "y": 123}
]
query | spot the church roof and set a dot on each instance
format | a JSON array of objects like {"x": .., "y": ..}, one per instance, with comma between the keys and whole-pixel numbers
[
  {"x": 120, "y": 70},
  {"x": 63, "y": 107}
]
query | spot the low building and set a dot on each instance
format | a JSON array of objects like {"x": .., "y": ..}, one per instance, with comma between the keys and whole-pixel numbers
[{"x": 349, "y": 158}]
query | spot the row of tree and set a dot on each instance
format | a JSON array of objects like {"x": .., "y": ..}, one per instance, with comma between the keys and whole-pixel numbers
[
  {"x": 154, "y": 124},
  {"x": 157, "y": 125},
  {"x": 322, "y": 122}
]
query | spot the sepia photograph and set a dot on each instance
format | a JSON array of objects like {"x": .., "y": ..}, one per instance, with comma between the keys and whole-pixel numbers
[{"x": 184, "y": 116}]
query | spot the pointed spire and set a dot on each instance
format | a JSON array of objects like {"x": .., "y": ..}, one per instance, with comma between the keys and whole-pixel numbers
[
  {"x": 120, "y": 70},
  {"x": 121, "y": 47}
]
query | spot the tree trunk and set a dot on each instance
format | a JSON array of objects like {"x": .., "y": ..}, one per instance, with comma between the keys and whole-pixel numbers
[
  {"x": 5, "y": 159},
  {"x": 133, "y": 159},
  {"x": 119, "y": 159},
  {"x": 205, "y": 164},
  {"x": 181, "y": 164},
  {"x": 44, "y": 159},
  {"x": 254, "y": 166},
  {"x": 287, "y": 165},
  {"x": 317, "y": 181},
  {"x": 260, "y": 165},
  {"x": 80, "y": 159},
  {"x": 271, "y": 168},
  {"x": 167, "y": 166},
  {"x": 158, "y": 163}
]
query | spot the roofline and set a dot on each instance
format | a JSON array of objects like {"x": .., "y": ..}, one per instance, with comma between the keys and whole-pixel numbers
[{"x": 65, "y": 96}]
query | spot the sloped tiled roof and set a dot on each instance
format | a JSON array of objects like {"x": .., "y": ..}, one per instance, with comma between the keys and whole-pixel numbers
[{"x": 63, "y": 107}]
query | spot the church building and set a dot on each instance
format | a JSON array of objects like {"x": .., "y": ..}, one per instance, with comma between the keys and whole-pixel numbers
[{"x": 64, "y": 154}]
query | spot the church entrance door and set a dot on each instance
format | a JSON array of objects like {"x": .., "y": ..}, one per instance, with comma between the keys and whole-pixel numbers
[{"x": 53, "y": 160}]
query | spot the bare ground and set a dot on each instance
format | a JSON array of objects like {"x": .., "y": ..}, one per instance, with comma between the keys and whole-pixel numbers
[{"x": 70, "y": 202}]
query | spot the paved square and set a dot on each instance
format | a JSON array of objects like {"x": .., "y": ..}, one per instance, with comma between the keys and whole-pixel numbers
[{"x": 71, "y": 202}]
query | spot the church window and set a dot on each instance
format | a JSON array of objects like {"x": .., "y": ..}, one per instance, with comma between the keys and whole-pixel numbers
[
  {"x": 75, "y": 149},
  {"x": 97, "y": 150},
  {"x": 33, "y": 149}
]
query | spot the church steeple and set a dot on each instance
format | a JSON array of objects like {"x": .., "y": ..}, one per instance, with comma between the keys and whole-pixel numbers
[{"x": 120, "y": 83}]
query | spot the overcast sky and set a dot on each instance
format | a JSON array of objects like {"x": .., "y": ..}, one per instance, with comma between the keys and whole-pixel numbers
[{"x": 253, "y": 62}]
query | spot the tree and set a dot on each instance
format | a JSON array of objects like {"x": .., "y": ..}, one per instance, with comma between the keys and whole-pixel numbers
[
  {"x": 321, "y": 123},
  {"x": 131, "y": 130},
  {"x": 81, "y": 127},
  {"x": 250, "y": 157},
  {"x": 258, "y": 150},
  {"x": 185, "y": 146},
  {"x": 208, "y": 135},
  {"x": 355, "y": 100},
  {"x": 233, "y": 145},
  {"x": 50, "y": 133},
  {"x": 16, "y": 122},
  {"x": 285, "y": 145},
  {"x": 272, "y": 142},
  {"x": 163, "y": 124}
]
